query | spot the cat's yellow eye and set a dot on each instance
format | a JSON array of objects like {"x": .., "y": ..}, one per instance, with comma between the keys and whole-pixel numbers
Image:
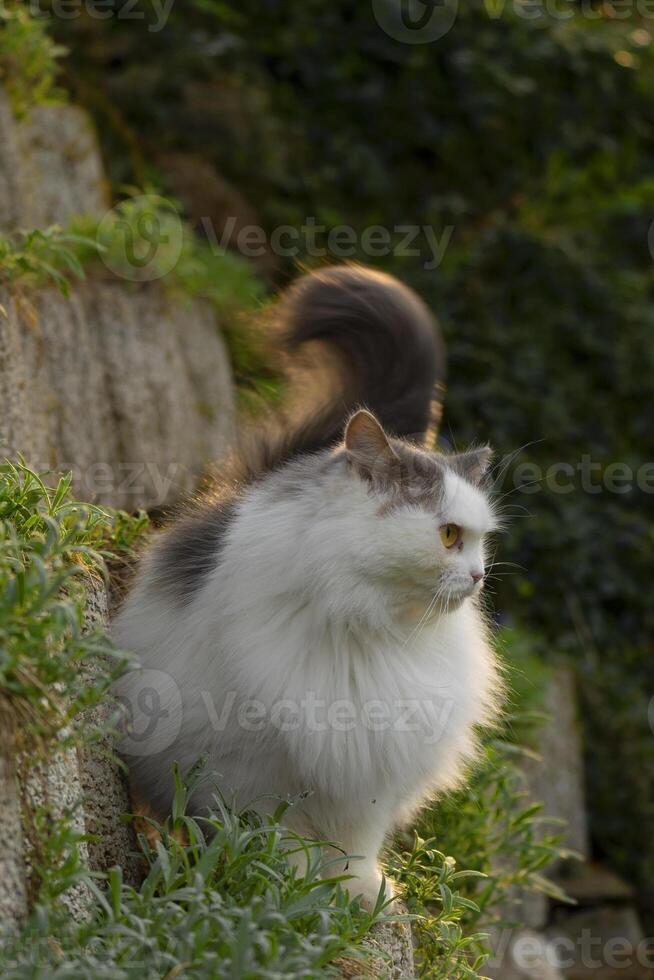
[{"x": 450, "y": 534}]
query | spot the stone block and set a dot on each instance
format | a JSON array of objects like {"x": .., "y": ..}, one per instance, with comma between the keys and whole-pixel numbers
[{"x": 130, "y": 390}]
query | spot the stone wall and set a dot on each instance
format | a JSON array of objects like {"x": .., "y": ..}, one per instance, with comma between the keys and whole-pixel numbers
[
  {"x": 560, "y": 941},
  {"x": 50, "y": 167},
  {"x": 87, "y": 782},
  {"x": 126, "y": 387}
]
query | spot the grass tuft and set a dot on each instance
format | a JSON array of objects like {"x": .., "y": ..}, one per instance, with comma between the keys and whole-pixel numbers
[
  {"x": 51, "y": 547},
  {"x": 219, "y": 898}
]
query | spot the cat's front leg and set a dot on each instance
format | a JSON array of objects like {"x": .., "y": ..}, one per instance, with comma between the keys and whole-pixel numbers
[
  {"x": 368, "y": 881},
  {"x": 361, "y": 861}
]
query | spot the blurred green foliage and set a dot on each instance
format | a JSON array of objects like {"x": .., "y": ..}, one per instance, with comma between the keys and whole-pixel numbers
[
  {"x": 528, "y": 129},
  {"x": 48, "y": 255},
  {"x": 29, "y": 58}
]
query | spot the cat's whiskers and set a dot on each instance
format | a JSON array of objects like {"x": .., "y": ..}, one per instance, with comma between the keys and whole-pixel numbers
[
  {"x": 499, "y": 469},
  {"x": 423, "y": 619}
]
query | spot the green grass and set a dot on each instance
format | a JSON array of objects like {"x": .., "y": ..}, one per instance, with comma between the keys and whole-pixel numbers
[
  {"x": 226, "y": 903},
  {"x": 50, "y": 546}
]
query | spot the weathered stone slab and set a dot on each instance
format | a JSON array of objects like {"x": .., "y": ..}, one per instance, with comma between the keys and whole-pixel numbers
[
  {"x": 593, "y": 884},
  {"x": 103, "y": 784},
  {"x": 391, "y": 946},
  {"x": 50, "y": 167},
  {"x": 558, "y": 781},
  {"x": 130, "y": 390},
  {"x": 605, "y": 943},
  {"x": 10, "y": 196},
  {"x": 51, "y": 789},
  {"x": 83, "y": 786},
  {"x": 13, "y": 890},
  {"x": 395, "y": 941},
  {"x": 522, "y": 954},
  {"x": 555, "y": 779}
]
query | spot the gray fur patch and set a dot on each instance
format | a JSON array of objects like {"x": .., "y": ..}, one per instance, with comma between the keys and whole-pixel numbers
[
  {"x": 190, "y": 549},
  {"x": 405, "y": 476}
]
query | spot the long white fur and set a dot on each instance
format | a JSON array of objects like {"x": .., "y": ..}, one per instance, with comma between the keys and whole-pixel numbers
[{"x": 322, "y": 596}]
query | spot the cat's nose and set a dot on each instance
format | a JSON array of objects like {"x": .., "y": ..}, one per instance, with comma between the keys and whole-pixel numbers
[{"x": 476, "y": 576}]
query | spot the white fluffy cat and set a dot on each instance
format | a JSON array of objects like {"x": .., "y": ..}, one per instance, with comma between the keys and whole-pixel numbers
[{"x": 313, "y": 625}]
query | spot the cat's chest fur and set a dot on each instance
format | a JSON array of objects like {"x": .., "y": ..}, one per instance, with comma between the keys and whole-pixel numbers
[{"x": 358, "y": 712}]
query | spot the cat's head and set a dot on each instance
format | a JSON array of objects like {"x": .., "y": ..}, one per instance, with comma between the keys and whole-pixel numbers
[{"x": 427, "y": 516}]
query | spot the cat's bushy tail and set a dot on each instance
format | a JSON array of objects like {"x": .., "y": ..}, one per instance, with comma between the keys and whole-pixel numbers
[
  {"x": 390, "y": 359},
  {"x": 389, "y": 347}
]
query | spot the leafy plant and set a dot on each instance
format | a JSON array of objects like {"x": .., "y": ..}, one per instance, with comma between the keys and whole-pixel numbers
[
  {"x": 497, "y": 847},
  {"x": 38, "y": 256},
  {"x": 50, "y": 546},
  {"x": 219, "y": 898},
  {"x": 29, "y": 58}
]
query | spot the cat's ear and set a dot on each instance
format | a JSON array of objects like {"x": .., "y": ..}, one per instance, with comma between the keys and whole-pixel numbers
[
  {"x": 473, "y": 464},
  {"x": 367, "y": 445}
]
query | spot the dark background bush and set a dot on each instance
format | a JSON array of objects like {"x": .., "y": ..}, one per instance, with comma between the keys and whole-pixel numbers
[{"x": 533, "y": 137}]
